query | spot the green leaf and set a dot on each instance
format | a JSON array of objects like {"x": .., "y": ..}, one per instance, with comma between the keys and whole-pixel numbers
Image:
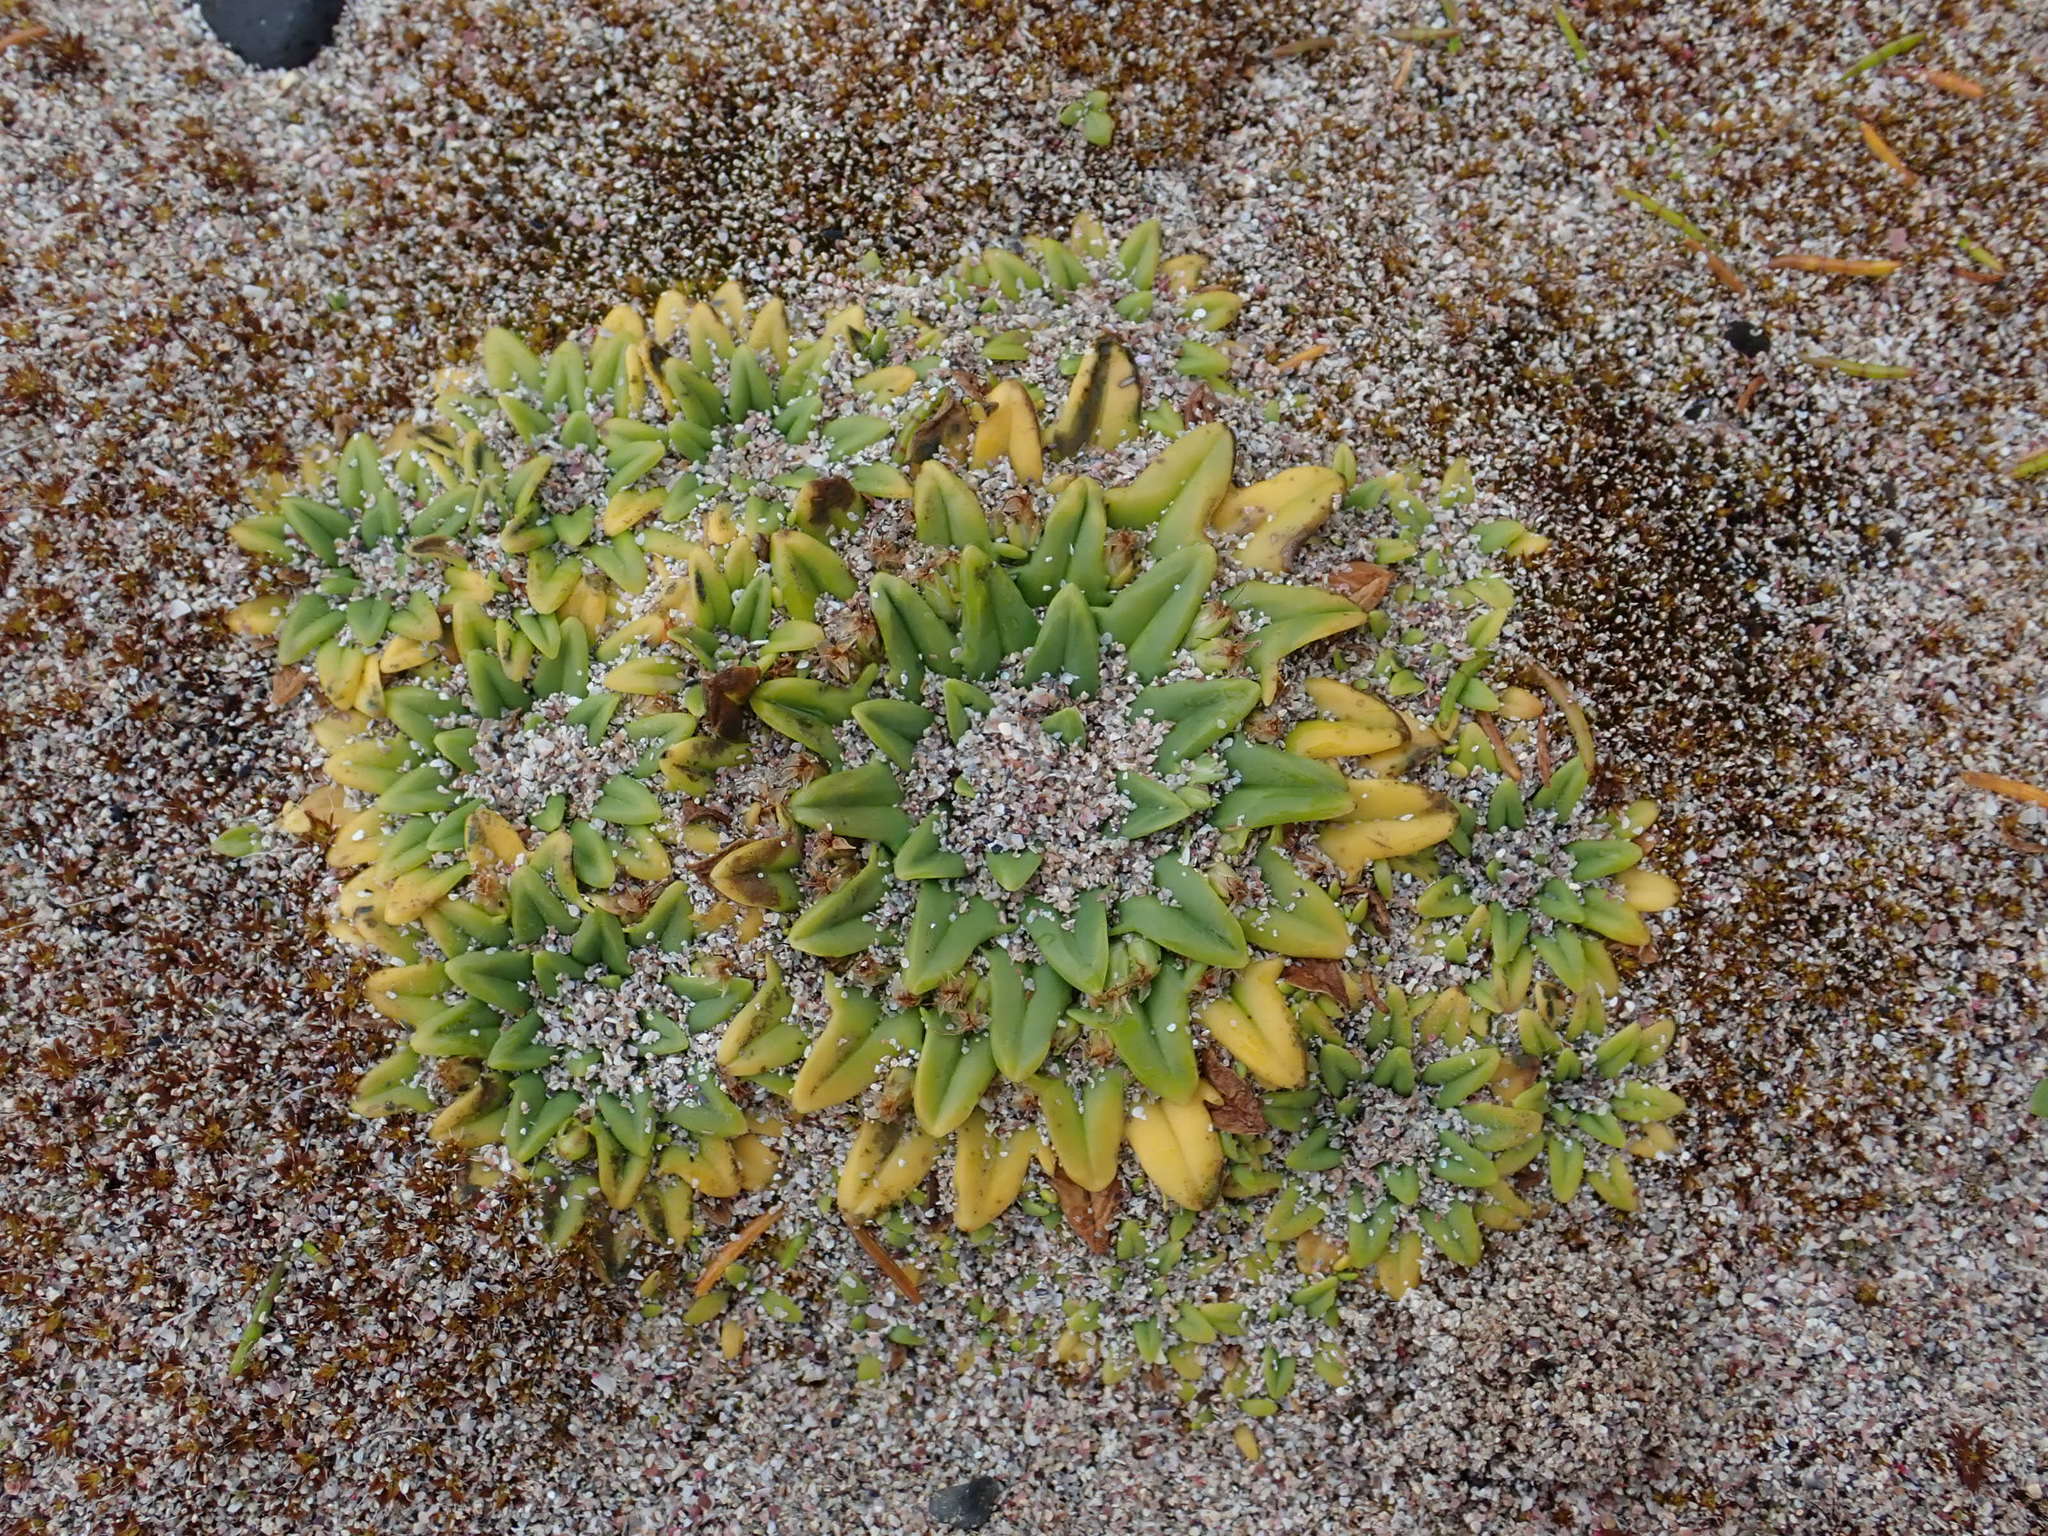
[
  {"x": 1203, "y": 712},
  {"x": 923, "y": 857},
  {"x": 952, "y": 1072},
  {"x": 994, "y": 618},
  {"x": 1300, "y": 918},
  {"x": 1013, "y": 871},
  {"x": 837, "y": 924},
  {"x": 1154, "y": 807},
  {"x": 1278, "y": 788},
  {"x": 1086, "y": 1131},
  {"x": 1151, "y": 617},
  {"x": 496, "y": 978},
  {"x": 861, "y": 802},
  {"x": 1199, "y": 924},
  {"x": 1156, "y": 1041},
  {"x": 1178, "y": 492},
  {"x": 947, "y": 514},
  {"x": 806, "y": 710},
  {"x": 1071, "y": 548},
  {"x": 1069, "y": 645},
  {"x": 943, "y": 936},
  {"x": 806, "y": 569},
  {"x": 1021, "y": 1017},
  {"x": 914, "y": 638},
  {"x": 1076, "y": 944},
  {"x": 1294, "y": 617},
  {"x": 894, "y": 726}
]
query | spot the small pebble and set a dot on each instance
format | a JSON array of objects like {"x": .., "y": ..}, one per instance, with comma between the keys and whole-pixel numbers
[
  {"x": 273, "y": 34},
  {"x": 1749, "y": 339},
  {"x": 967, "y": 1506}
]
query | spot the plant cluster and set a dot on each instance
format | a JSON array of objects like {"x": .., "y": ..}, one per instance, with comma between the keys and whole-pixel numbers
[{"x": 920, "y": 729}]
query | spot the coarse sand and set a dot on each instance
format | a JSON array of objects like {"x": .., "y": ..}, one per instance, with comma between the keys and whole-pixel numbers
[{"x": 1801, "y": 600}]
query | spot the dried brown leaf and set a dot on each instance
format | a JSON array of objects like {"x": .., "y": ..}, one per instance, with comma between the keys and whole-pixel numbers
[
  {"x": 1089, "y": 1213},
  {"x": 1324, "y": 976},
  {"x": 1362, "y": 581},
  {"x": 729, "y": 1255},
  {"x": 288, "y": 685},
  {"x": 885, "y": 1261},
  {"x": 2010, "y": 789},
  {"x": 725, "y": 700},
  {"x": 1241, "y": 1112}
]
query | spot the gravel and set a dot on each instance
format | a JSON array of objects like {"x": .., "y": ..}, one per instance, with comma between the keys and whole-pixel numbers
[{"x": 1801, "y": 603}]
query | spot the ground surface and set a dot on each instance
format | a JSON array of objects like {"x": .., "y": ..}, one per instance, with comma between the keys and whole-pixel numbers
[{"x": 1802, "y": 601}]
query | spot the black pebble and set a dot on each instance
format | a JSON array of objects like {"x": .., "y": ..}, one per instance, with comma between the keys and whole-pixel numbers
[
  {"x": 273, "y": 34},
  {"x": 830, "y": 236},
  {"x": 967, "y": 1506},
  {"x": 1749, "y": 340}
]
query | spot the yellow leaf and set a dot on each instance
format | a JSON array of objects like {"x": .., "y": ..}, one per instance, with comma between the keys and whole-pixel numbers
[
  {"x": 1646, "y": 890},
  {"x": 988, "y": 1174},
  {"x": 1274, "y": 516},
  {"x": 1179, "y": 1150},
  {"x": 888, "y": 1159},
  {"x": 1010, "y": 430},
  {"x": 1257, "y": 1027}
]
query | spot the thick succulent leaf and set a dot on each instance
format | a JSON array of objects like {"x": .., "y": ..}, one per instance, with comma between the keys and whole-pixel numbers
[
  {"x": 863, "y": 802},
  {"x": 894, "y": 726},
  {"x": 805, "y": 569},
  {"x": 888, "y": 1159},
  {"x": 914, "y": 638},
  {"x": 1176, "y": 494},
  {"x": 1151, "y": 617},
  {"x": 1086, "y": 1130},
  {"x": 756, "y": 873},
  {"x": 711, "y": 1111},
  {"x": 947, "y": 513},
  {"x": 532, "y": 1116},
  {"x": 1279, "y": 788},
  {"x": 1257, "y": 1026},
  {"x": 1277, "y": 515},
  {"x": 1389, "y": 819},
  {"x": 1199, "y": 924},
  {"x": 923, "y": 857},
  {"x": 963, "y": 704},
  {"x": 1010, "y": 430},
  {"x": 1071, "y": 548},
  {"x": 944, "y": 934},
  {"x": 838, "y": 923},
  {"x": 1023, "y": 1012},
  {"x": 1013, "y": 871},
  {"x": 1075, "y": 944},
  {"x": 953, "y": 1069},
  {"x": 988, "y": 1174},
  {"x": 1069, "y": 646},
  {"x": 994, "y": 618},
  {"x": 807, "y": 710},
  {"x": 1293, "y": 617},
  {"x": 1177, "y": 1146},
  {"x": 1154, "y": 807},
  {"x": 1299, "y": 917},
  {"x": 761, "y": 1037},
  {"x": 848, "y": 1054},
  {"x": 630, "y": 1120},
  {"x": 1203, "y": 712},
  {"x": 1102, "y": 404},
  {"x": 497, "y": 978},
  {"x": 1156, "y": 1039}
]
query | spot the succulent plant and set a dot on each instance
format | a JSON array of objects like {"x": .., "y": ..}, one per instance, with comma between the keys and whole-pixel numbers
[{"x": 923, "y": 735}]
